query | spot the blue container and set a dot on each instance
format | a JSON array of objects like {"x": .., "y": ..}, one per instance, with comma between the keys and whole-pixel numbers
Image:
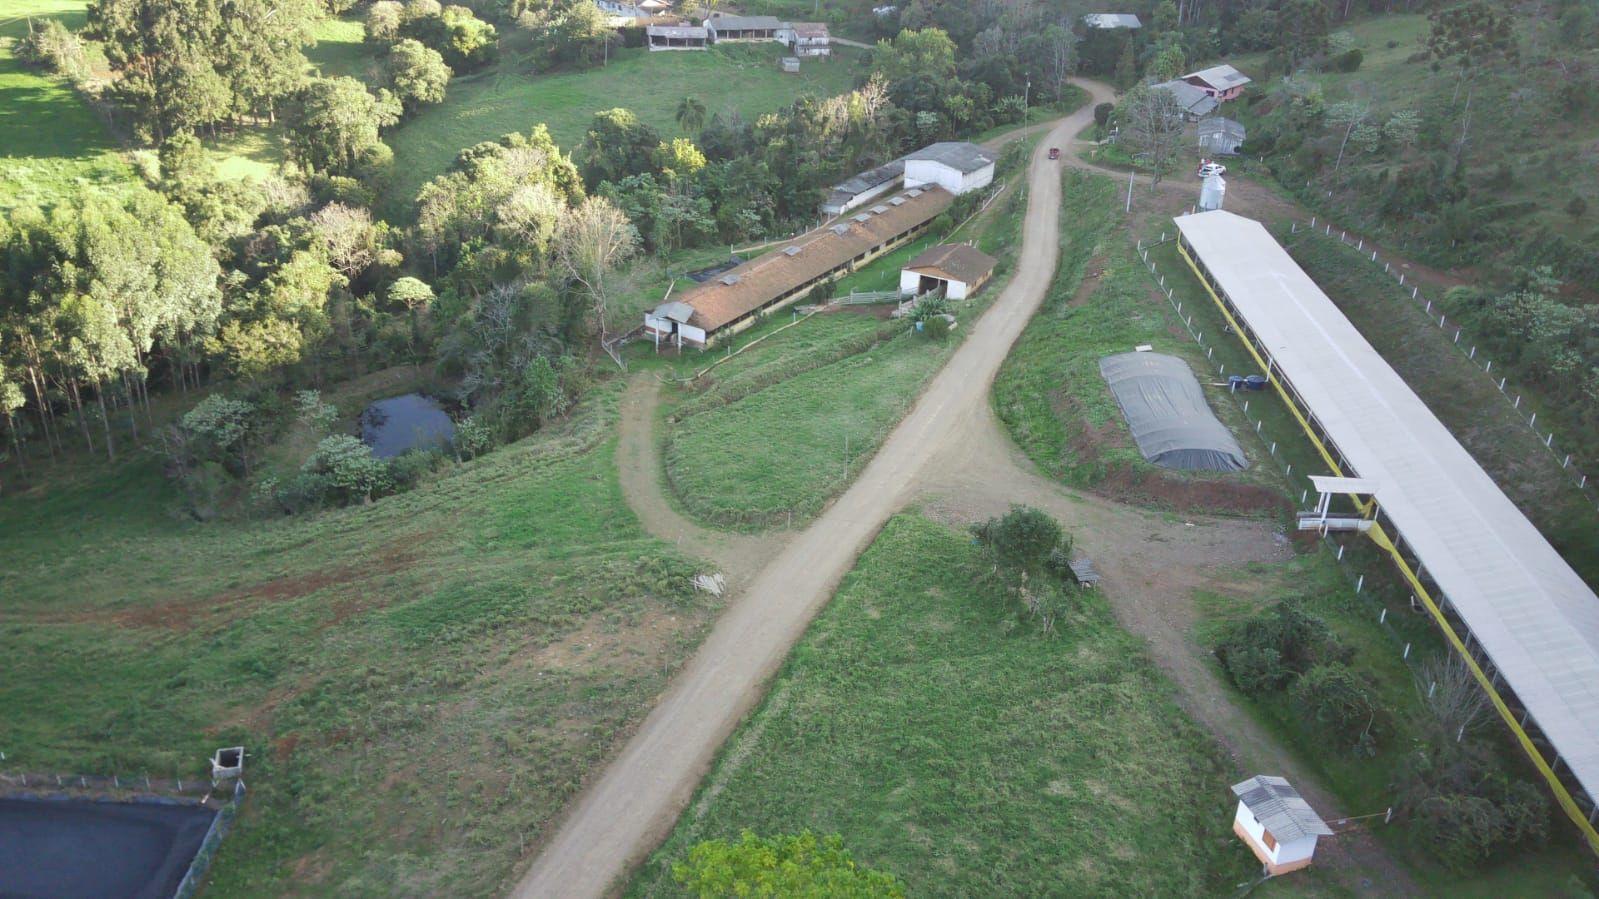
[
  {"x": 1256, "y": 382},
  {"x": 1237, "y": 382}
]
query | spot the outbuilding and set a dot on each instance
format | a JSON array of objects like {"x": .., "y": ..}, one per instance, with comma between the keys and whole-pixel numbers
[
  {"x": 1220, "y": 136},
  {"x": 743, "y": 28},
  {"x": 1111, "y": 21},
  {"x": 1222, "y": 82},
  {"x": 872, "y": 183},
  {"x": 1277, "y": 824},
  {"x": 956, "y": 166},
  {"x": 676, "y": 37},
  {"x": 959, "y": 270},
  {"x": 807, "y": 39},
  {"x": 790, "y": 65}
]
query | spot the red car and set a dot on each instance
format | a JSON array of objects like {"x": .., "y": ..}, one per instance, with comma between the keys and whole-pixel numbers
[{"x": 1054, "y": 152}]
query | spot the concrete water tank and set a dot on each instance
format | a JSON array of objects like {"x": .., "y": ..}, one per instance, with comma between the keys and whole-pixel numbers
[{"x": 1211, "y": 192}]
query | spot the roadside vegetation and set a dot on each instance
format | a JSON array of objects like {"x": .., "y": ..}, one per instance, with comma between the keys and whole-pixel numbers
[
  {"x": 420, "y": 684},
  {"x": 926, "y": 690}
]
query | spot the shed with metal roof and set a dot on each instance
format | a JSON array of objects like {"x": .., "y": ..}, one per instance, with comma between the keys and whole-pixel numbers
[{"x": 1277, "y": 824}]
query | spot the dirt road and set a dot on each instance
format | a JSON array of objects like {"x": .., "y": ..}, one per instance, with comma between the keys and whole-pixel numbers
[{"x": 948, "y": 453}]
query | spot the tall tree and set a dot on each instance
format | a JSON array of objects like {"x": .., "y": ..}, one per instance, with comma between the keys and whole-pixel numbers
[
  {"x": 690, "y": 115},
  {"x": 617, "y": 145},
  {"x": 416, "y": 74},
  {"x": 335, "y": 125},
  {"x": 1152, "y": 127},
  {"x": 595, "y": 238}
]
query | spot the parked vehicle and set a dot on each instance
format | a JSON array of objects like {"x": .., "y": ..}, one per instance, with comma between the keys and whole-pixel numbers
[
  {"x": 1206, "y": 169},
  {"x": 1054, "y": 152}
]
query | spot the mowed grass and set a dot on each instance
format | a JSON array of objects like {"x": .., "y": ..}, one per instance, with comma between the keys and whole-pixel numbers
[
  {"x": 1052, "y": 397},
  {"x": 950, "y": 743},
  {"x": 420, "y": 684},
  {"x": 1467, "y": 401},
  {"x": 791, "y": 447},
  {"x": 51, "y": 140},
  {"x": 506, "y": 98}
]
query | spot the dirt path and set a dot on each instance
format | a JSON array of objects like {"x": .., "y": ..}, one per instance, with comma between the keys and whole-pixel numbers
[
  {"x": 950, "y": 447},
  {"x": 639, "y": 462}
]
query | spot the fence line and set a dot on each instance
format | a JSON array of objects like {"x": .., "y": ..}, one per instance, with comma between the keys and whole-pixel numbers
[
  {"x": 1467, "y": 348},
  {"x": 208, "y": 846}
]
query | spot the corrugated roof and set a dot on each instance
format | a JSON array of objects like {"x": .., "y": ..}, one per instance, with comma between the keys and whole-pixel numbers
[
  {"x": 1220, "y": 77},
  {"x": 1112, "y": 20},
  {"x": 954, "y": 262},
  {"x": 865, "y": 181},
  {"x": 957, "y": 154},
  {"x": 686, "y": 32},
  {"x": 764, "y": 279},
  {"x": 1529, "y": 611},
  {"x": 809, "y": 30},
  {"x": 1280, "y": 809},
  {"x": 744, "y": 23},
  {"x": 1218, "y": 125},
  {"x": 675, "y": 310},
  {"x": 1193, "y": 100}
]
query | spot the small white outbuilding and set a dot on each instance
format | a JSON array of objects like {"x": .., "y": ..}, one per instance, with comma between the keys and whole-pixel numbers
[
  {"x": 956, "y": 166},
  {"x": 959, "y": 270},
  {"x": 1277, "y": 824}
]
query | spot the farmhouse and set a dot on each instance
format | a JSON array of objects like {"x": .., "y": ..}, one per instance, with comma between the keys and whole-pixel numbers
[
  {"x": 806, "y": 39},
  {"x": 676, "y": 37},
  {"x": 1222, "y": 82},
  {"x": 1110, "y": 21},
  {"x": 743, "y": 28},
  {"x": 849, "y": 194},
  {"x": 1277, "y": 824},
  {"x": 1195, "y": 102},
  {"x": 1220, "y": 136},
  {"x": 956, "y": 166},
  {"x": 731, "y": 302},
  {"x": 958, "y": 270}
]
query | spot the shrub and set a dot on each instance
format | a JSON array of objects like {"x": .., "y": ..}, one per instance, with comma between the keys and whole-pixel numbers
[
  {"x": 220, "y": 429},
  {"x": 1463, "y": 830},
  {"x": 1348, "y": 61},
  {"x": 473, "y": 438},
  {"x": 1336, "y": 701},
  {"x": 1265, "y": 652},
  {"x": 1102, "y": 114},
  {"x": 348, "y": 469},
  {"x": 798, "y": 865},
  {"x": 936, "y": 328},
  {"x": 1023, "y": 538},
  {"x": 311, "y": 411},
  {"x": 52, "y": 46}
]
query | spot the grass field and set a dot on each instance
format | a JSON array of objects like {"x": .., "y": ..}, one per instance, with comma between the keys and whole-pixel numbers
[
  {"x": 420, "y": 683},
  {"x": 50, "y": 138},
  {"x": 965, "y": 752},
  {"x": 1052, "y": 398},
  {"x": 507, "y": 98}
]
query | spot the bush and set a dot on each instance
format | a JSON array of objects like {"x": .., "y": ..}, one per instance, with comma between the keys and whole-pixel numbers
[
  {"x": 1266, "y": 652},
  {"x": 1348, "y": 61},
  {"x": 52, "y": 46},
  {"x": 1336, "y": 701},
  {"x": 1102, "y": 114},
  {"x": 798, "y": 865},
  {"x": 348, "y": 470},
  {"x": 936, "y": 328},
  {"x": 1464, "y": 830}
]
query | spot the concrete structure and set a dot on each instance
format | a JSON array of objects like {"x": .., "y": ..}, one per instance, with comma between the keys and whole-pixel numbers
[
  {"x": 959, "y": 270},
  {"x": 956, "y": 166},
  {"x": 743, "y": 28},
  {"x": 789, "y": 64},
  {"x": 1277, "y": 824},
  {"x": 734, "y": 300},
  {"x": 868, "y": 185},
  {"x": 1108, "y": 21},
  {"x": 807, "y": 39},
  {"x": 1194, "y": 101},
  {"x": 1220, "y": 136},
  {"x": 1524, "y": 621},
  {"x": 1222, "y": 82},
  {"x": 676, "y": 37}
]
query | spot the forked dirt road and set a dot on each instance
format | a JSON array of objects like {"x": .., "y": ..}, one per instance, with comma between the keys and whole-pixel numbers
[{"x": 947, "y": 446}]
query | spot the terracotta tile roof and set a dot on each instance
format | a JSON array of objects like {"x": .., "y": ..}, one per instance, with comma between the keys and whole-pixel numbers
[
  {"x": 954, "y": 262},
  {"x": 761, "y": 281}
]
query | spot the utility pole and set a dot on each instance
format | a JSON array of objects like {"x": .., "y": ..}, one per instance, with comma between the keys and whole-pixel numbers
[
  {"x": 1129, "y": 191},
  {"x": 1027, "y": 96}
]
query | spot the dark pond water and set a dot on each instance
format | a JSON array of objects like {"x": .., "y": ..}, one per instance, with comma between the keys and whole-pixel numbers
[
  {"x": 68, "y": 848},
  {"x": 402, "y": 423}
]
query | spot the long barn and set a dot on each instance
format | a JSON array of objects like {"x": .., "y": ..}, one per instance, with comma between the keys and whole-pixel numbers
[{"x": 1524, "y": 620}]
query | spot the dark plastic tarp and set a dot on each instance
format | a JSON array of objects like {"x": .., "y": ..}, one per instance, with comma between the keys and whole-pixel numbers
[{"x": 1167, "y": 413}]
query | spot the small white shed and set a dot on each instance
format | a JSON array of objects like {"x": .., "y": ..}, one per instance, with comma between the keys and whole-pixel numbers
[{"x": 1277, "y": 824}]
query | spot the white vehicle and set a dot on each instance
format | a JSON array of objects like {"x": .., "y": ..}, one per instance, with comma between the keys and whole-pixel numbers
[{"x": 1206, "y": 169}]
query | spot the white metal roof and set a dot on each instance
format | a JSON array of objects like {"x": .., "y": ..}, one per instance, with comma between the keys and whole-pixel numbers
[
  {"x": 1536, "y": 619},
  {"x": 1112, "y": 20},
  {"x": 1279, "y": 808},
  {"x": 1220, "y": 77}
]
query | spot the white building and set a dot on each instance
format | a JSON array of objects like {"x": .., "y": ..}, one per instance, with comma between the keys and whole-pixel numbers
[
  {"x": 956, "y": 166},
  {"x": 806, "y": 39},
  {"x": 1110, "y": 21},
  {"x": 958, "y": 269},
  {"x": 1277, "y": 824},
  {"x": 725, "y": 28}
]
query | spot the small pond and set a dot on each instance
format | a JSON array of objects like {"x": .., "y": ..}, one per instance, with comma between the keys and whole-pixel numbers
[
  {"x": 69, "y": 848},
  {"x": 402, "y": 423}
]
